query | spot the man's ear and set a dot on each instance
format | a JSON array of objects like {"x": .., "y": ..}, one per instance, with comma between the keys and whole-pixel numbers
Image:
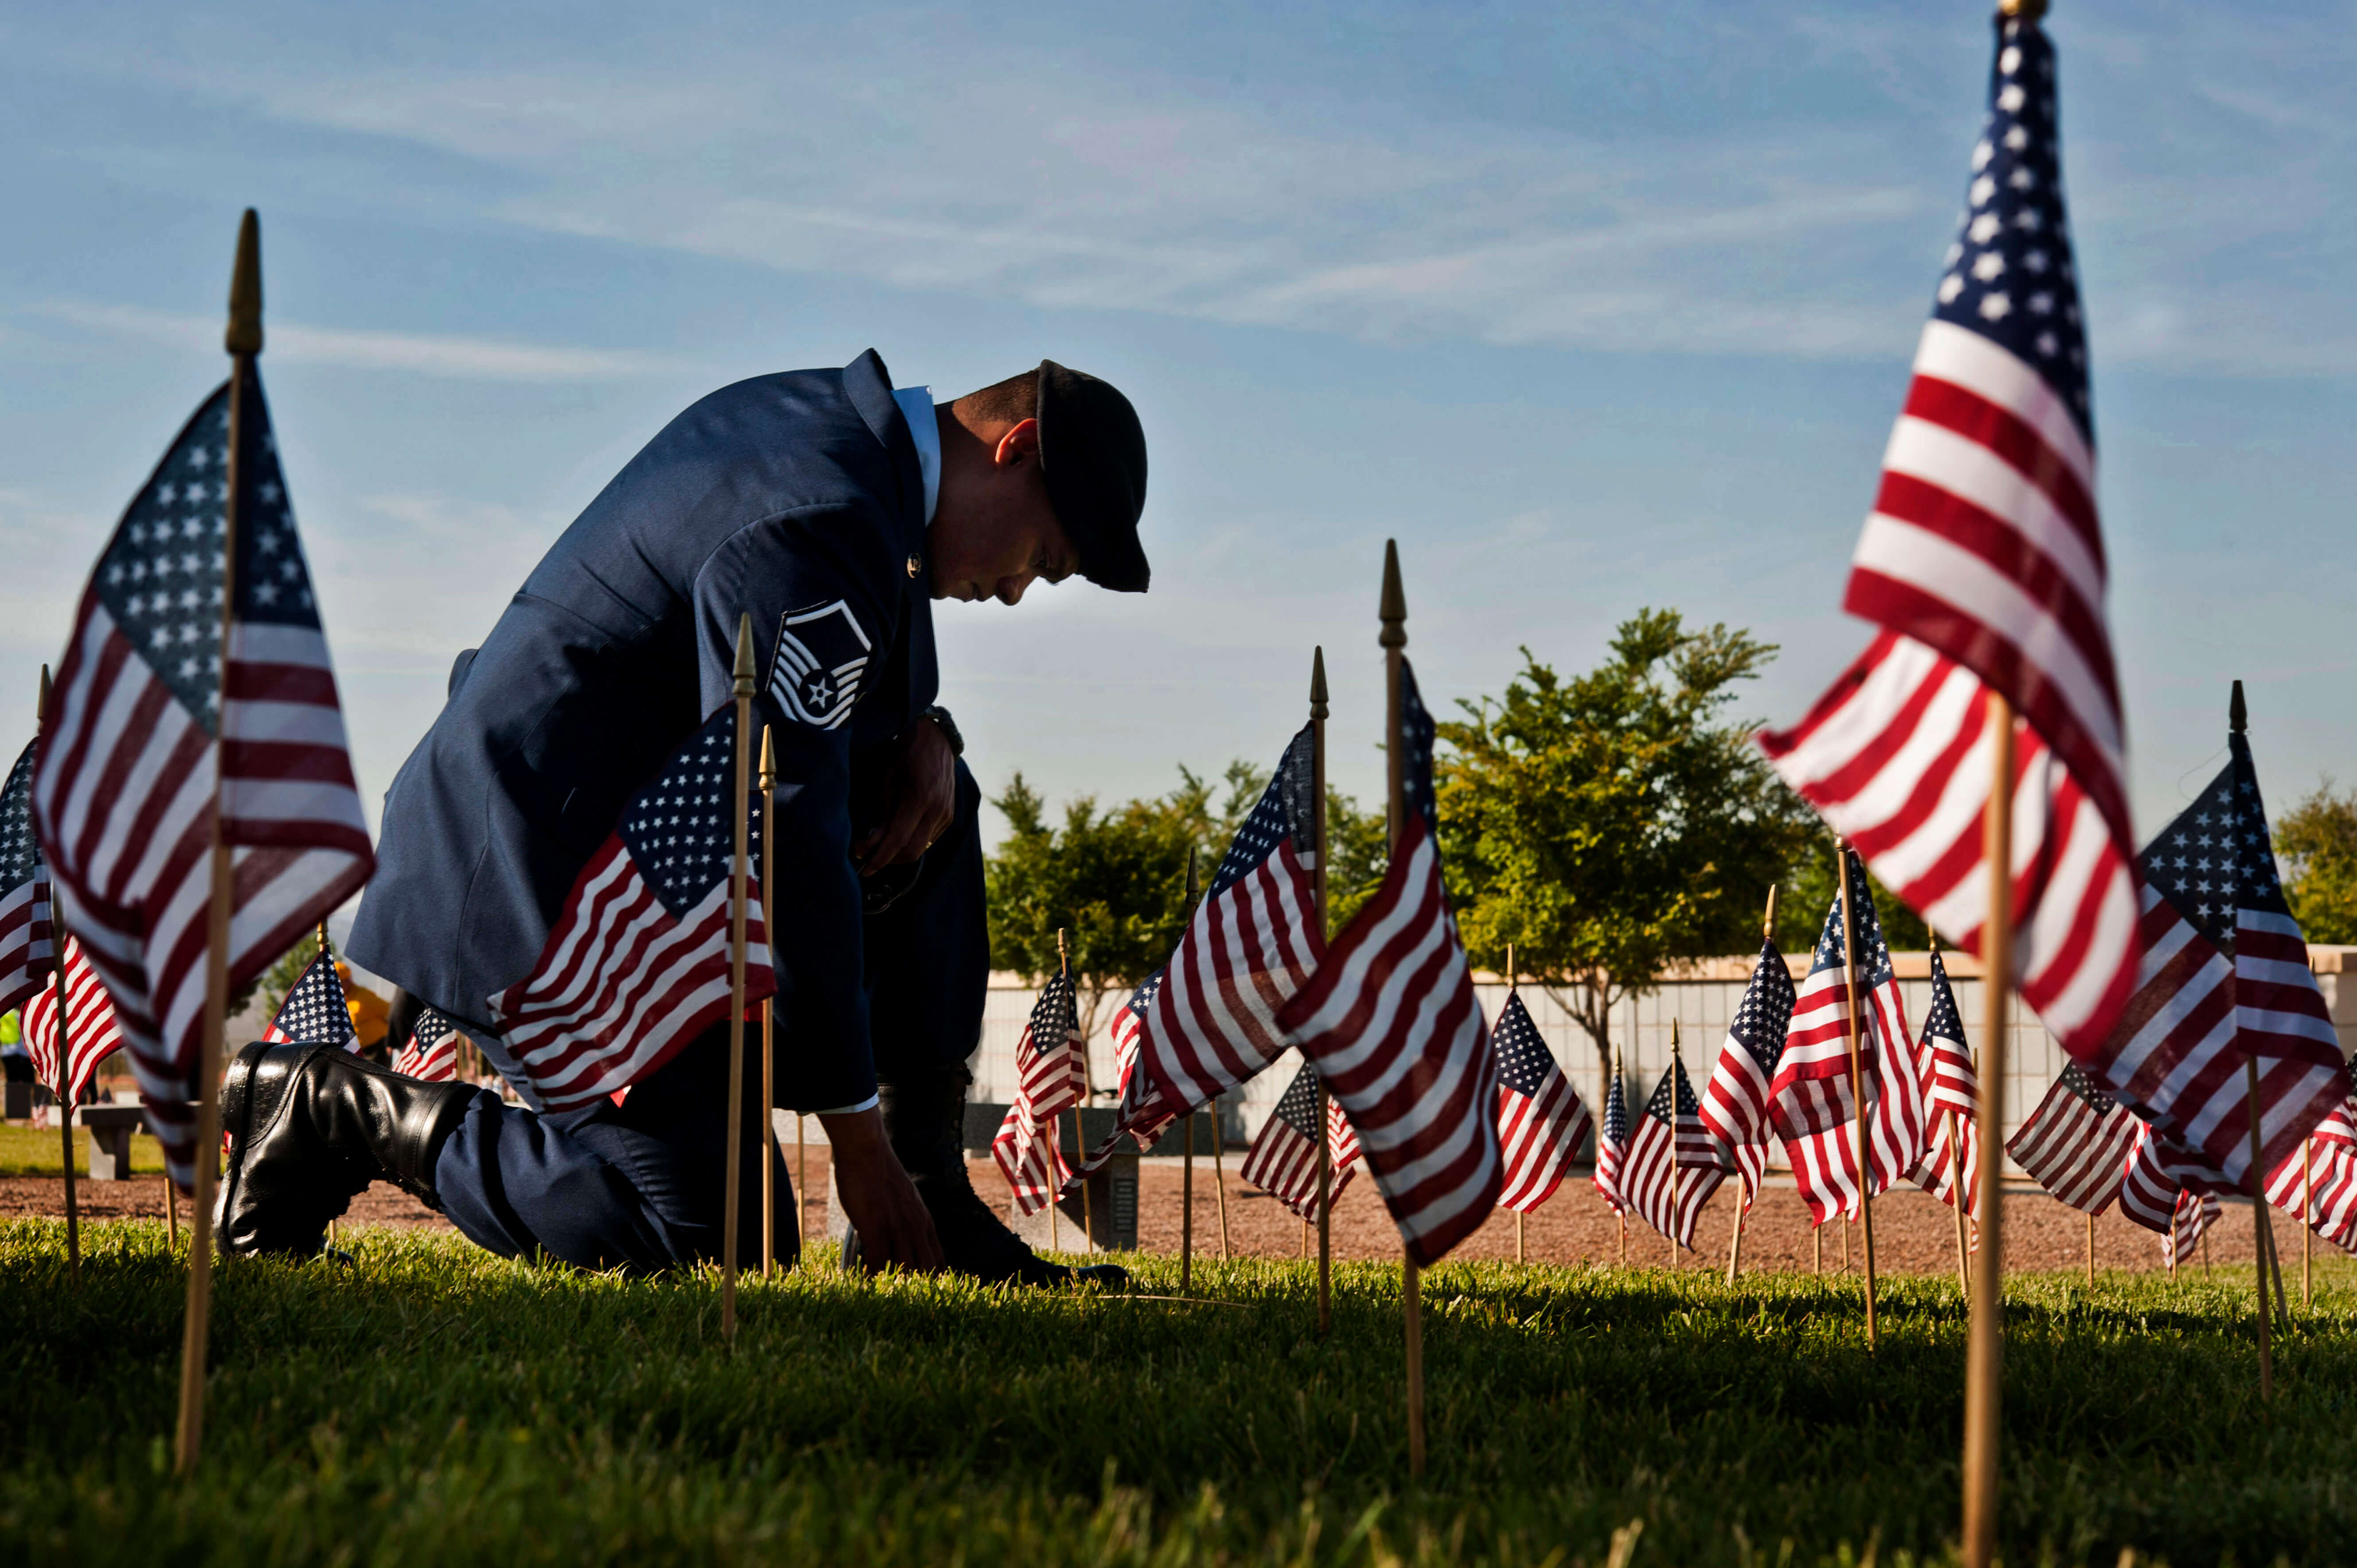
[{"x": 1019, "y": 445}]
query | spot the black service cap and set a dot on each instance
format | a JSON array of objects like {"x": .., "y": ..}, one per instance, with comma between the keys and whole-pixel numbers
[{"x": 1093, "y": 452}]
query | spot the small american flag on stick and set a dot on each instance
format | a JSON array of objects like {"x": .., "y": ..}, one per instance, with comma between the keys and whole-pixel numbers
[
  {"x": 1669, "y": 1133},
  {"x": 2159, "y": 1171},
  {"x": 637, "y": 962},
  {"x": 1542, "y": 1124},
  {"x": 1952, "y": 1099},
  {"x": 1735, "y": 1103},
  {"x": 431, "y": 1054},
  {"x": 1283, "y": 1160},
  {"x": 1047, "y": 1062},
  {"x": 28, "y": 938},
  {"x": 92, "y": 1034},
  {"x": 145, "y": 720},
  {"x": 2318, "y": 1180},
  {"x": 1612, "y": 1140},
  {"x": 1392, "y": 1024},
  {"x": 315, "y": 1008},
  {"x": 2077, "y": 1142}
]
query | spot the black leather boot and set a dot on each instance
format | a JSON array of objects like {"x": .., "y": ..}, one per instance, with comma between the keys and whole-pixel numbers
[
  {"x": 310, "y": 1125},
  {"x": 924, "y": 1119}
]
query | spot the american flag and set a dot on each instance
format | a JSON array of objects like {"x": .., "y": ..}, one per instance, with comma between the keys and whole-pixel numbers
[
  {"x": 431, "y": 1054},
  {"x": 1392, "y": 1023},
  {"x": 1139, "y": 1114},
  {"x": 1542, "y": 1125},
  {"x": 1734, "y": 1101},
  {"x": 2077, "y": 1142},
  {"x": 2224, "y": 978},
  {"x": 1951, "y": 1098},
  {"x": 2318, "y": 1180},
  {"x": 2157, "y": 1170},
  {"x": 1612, "y": 1140},
  {"x": 92, "y": 1033},
  {"x": 1670, "y": 1130},
  {"x": 1812, "y": 1104},
  {"x": 636, "y": 963},
  {"x": 1283, "y": 1160},
  {"x": 1984, "y": 559},
  {"x": 1048, "y": 1058},
  {"x": 315, "y": 1008},
  {"x": 2194, "y": 1214},
  {"x": 142, "y": 723},
  {"x": 1252, "y": 940},
  {"x": 29, "y": 939}
]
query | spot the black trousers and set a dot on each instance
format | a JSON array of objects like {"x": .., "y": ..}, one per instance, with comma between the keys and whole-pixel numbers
[{"x": 641, "y": 1185}]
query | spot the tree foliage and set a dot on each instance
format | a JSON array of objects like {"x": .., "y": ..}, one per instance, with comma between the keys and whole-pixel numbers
[
  {"x": 2317, "y": 840},
  {"x": 1611, "y": 824},
  {"x": 1113, "y": 878}
]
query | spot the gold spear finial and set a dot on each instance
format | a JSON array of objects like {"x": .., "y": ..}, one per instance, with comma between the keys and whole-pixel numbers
[
  {"x": 1318, "y": 682},
  {"x": 2022, "y": 10},
  {"x": 768, "y": 780},
  {"x": 245, "y": 334},
  {"x": 744, "y": 687},
  {"x": 2238, "y": 717},
  {"x": 1392, "y": 611},
  {"x": 1768, "y": 922},
  {"x": 41, "y": 714},
  {"x": 1064, "y": 952}
]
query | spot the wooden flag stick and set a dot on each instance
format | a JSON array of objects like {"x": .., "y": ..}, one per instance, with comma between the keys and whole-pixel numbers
[
  {"x": 739, "y": 907},
  {"x": 1856, "y": 1083},
  {"x": 1743, "y": 1201},
  {"x": 1393, "y": 640},
  {"x": 770, "y": 1154},
  {"x": 2259, "y": 1212},
  {"x": 2307, "y": 1218},
  {"x": 1220, "y": 1176},
  {"x": 1620, "y": 1206},
  {"x": 1956, "y": 1189},
  {"x": 65, "y": 1046},
  {"x": 1985, "y": 1350},
  {"x": 1088, "y": 1087},
  {"x": 172, "y": 1214},
  {"x": 1317, "y": 715},
  {"x": 1186, "y": 1153},
  {"x": 1674, "y": 1145},
  {"x": 243, "y": 341},
  {"x": 1522, "y": 1254}
]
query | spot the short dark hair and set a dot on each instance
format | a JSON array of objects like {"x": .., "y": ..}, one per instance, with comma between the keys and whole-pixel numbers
[{"x": 1014, "y": 400}]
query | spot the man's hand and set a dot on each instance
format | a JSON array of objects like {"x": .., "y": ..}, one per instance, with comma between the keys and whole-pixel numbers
[
  {"x": 877, "y": 1196},
  {"x": 919, "y": 800}
]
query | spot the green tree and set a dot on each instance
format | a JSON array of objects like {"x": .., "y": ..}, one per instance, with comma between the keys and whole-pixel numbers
[
  {"x": 1808, "y": 891},
  {"x": 1614, "y": 823},
  {"x": 2317, "y": 840}
]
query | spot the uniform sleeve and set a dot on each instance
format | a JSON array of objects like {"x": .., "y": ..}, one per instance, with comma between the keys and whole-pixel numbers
[{"x": 818, "y": 583}]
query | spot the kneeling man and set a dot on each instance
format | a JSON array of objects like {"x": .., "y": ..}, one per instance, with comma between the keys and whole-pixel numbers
[{"x": 833, "y": 509}]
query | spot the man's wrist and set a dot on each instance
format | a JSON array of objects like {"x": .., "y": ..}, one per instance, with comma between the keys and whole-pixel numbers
[{"x": 948, "y": 726}]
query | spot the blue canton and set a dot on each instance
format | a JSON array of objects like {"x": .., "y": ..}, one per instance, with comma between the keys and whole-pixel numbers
[
  {"x": 2216, "y": 856},
  {"x": 1944, "y": 1021},
  {"x": 1298, "y": 1108},
  {"x": 20, "y": 850},
  {"x": 1874, "y": 968},
  {"x": 1616, "y": 1115},
  {"x": 2079, "y": 1084},
  {"x": 160, "y": 578},
  {"x": 1279, "y": 815},
  {"x": 315, "y": 1008},
  {"x": 1765, "y": 1015},
  {"x": 1416, "y": 733},
  {"x": 678, "y": 829},
  {"x": 1523, "y": 1060},
  {"x": 2010, "y": 277},
  {"x": 1658, "y": 1107}
]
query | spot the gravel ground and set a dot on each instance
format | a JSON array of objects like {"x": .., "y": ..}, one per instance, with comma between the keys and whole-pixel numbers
[{"x": 1913, "y": 1232}]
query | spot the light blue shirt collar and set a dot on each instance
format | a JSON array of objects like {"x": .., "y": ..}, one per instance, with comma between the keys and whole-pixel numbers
[{"x": 917, "y": 406}]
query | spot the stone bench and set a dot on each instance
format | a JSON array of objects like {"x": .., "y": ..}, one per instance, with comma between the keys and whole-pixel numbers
[{"x": 111, "y": 1127}]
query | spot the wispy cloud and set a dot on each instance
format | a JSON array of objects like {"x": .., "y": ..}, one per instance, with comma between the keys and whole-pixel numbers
[{"x": 465, "y": 359}]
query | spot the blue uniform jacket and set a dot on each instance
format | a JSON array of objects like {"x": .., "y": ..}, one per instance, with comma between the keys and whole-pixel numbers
[{"x": 794, "y": 497}]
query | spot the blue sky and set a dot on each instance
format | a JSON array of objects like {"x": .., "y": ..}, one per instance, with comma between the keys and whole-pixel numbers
[{"x": 1591, "y": 308}]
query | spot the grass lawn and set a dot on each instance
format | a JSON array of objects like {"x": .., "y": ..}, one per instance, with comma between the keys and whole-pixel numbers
[
  {"x": 437, "y": 1405},
  {"x": 33, "y": 1151}
]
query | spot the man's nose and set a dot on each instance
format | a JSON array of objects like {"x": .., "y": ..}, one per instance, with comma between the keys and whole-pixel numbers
[{"x": 1010, "y": 590}]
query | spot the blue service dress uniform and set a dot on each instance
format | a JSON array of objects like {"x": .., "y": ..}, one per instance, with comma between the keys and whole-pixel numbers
[{"x": 796, "y": 497}]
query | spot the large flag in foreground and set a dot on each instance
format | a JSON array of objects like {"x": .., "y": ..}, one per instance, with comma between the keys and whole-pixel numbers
[
  {"x": 1671, "y": 1169},
  {"x": 1051, "y": 1077},
  {"x": 144, "y": 719},
  {"x": 93, "y": 1032},
  {"x": 28, "y": 937},
  {"x": 1984, "y": 561},
  {"x": 1542, "y": 1125},
  {"x": 431, "y": 1053},
  {"x": 315, "y": 1008},
  {"x": 1393, "y": 1025},
  {"x": 2077, "y": 1142},
  {"x": 2224, "y": 980},
  {"x": 1283, "y": 1161},
  {"x": 637, "y": 962},
  {"x": 1735, "y": 1103},
  {"x": 1813, "y": 1102}
]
